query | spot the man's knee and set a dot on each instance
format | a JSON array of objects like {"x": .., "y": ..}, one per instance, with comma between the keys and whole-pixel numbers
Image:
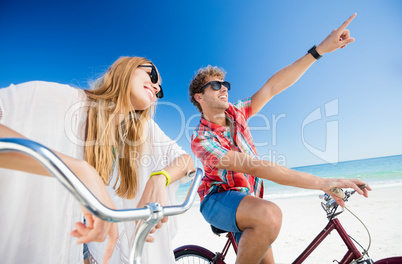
[
  {"x": 271, "y": 218},
  {"x": 260, "y": 214},
  {"x": 269, "y": 223}
]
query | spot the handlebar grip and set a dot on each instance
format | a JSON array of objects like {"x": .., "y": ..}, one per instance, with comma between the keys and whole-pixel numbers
[{"x": 338, "y": 192}]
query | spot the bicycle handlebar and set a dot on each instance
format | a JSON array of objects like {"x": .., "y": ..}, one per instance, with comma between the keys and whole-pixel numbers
[
  {"x": 328, "y": 201},
  {"x": 151, "y": 214},
  {"x": 59, "y": 170}
]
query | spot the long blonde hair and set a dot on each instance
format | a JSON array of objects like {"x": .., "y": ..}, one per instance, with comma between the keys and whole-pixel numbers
[{"x": 107, "y": 138}]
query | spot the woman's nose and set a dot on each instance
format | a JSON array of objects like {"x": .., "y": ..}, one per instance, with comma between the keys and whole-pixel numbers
[{"x": 156, "y": 87}]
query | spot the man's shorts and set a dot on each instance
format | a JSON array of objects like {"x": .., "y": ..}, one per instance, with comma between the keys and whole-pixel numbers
[{"x": 219, "y": 210}]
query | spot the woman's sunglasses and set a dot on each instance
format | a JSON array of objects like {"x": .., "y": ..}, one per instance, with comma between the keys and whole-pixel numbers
[
  {"x": 216, "y": 85},
  {"x": 154, "y": 79}
]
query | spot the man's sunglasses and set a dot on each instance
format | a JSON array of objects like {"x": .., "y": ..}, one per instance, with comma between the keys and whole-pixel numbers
[
  {"x": 154, "y": 79},
  {"x": 216, "y": 85}
]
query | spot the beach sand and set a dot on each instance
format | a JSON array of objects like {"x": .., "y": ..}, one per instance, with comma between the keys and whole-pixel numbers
[{"x": 303, "y": 219}]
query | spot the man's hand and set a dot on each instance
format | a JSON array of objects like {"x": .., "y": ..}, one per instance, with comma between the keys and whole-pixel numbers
[
  {"x": 330, "y": 184},
  {"x": 339, "y": 38}
]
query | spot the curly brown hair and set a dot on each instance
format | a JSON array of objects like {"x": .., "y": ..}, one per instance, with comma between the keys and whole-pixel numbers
[{"x": 200, "y": 79}]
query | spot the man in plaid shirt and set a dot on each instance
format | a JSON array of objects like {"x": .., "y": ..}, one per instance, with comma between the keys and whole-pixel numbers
[{"x": 231, "y": 191}]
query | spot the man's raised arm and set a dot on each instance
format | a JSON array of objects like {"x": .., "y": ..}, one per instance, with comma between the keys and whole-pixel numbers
[{"x": 287, "y": 76}]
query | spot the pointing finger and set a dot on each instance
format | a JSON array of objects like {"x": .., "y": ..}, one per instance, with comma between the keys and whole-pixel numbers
[{"x": 346, "y": 23}]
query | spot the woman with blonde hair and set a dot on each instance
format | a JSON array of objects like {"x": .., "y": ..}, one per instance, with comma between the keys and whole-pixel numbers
[{"x": 107, "y": 137}]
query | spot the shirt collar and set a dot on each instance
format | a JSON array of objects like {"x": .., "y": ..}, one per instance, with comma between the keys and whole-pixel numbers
[
  {"x": 212, "y": 126},
  {"x": 215, "y": 127}
]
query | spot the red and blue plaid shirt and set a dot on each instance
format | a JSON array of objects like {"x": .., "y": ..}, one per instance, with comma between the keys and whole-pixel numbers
[{"x": 210, "y": 142}]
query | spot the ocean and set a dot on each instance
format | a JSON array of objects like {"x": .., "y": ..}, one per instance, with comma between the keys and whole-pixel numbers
[{"x": 381, "y": 172}]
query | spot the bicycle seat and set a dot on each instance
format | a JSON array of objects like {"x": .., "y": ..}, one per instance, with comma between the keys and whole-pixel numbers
[{"x": 217, "y": 231}]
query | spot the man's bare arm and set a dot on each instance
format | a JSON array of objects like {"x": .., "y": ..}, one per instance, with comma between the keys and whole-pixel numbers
[
  {"x": 286, "y": 77},
  {"x": 244, "y": 163}
]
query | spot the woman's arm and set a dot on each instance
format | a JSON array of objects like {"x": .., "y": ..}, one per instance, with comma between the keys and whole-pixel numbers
[
  {"x": 178, "y": 168},
  {"x": 96, "y": 229},
  {"x": 156, "y": 190}
]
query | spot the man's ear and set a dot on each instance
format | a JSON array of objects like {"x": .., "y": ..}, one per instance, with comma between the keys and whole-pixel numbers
[{"x": 198, "y": 97}]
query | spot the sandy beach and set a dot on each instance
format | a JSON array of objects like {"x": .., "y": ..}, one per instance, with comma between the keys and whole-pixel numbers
[{"x": 303, "y": 219}]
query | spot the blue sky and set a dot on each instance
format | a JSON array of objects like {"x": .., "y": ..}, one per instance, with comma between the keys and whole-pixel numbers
[{"x": 356, "y": 90}]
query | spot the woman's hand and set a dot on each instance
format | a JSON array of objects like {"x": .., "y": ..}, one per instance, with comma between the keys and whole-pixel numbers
[
  {"x": 95, "y": 230},
  {"x": 155, "y": 191}
]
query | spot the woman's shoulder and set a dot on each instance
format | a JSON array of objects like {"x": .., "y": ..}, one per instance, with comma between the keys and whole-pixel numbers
[
  {"x": 36, "y": 95},
  {"x": 42, "y": 90},
  {"x": 154, "y": 129},
  {"x": 40, "y": 86}
]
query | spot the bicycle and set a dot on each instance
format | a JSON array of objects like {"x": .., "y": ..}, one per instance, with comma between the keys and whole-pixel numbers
[
  {"x": 196, "y": 254},
  {"x": 150, "y": 215}
]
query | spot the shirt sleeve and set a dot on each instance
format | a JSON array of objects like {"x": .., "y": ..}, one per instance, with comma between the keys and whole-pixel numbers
[
  {"x": 162, "y": 144},
  {"x": 167, "y": 148},
  {"x": 244, "y": 106},
  {"x": 208, "y": 149}
]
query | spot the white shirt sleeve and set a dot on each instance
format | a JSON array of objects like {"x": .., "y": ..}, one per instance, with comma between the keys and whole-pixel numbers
[
  {"x": 167, "y": 147},
  {"x": 38, "y": 213}
]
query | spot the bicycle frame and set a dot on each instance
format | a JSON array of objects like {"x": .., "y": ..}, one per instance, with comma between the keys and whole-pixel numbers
[
  {"x": 150, "y": 215},
  {"x": 231, "y": 241},
  {"x": 352, "y": 253}
]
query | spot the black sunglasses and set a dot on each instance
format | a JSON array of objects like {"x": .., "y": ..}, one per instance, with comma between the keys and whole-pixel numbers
[
  {"x": 216, "y": 85},
  {"x": 154, "y": 79}
]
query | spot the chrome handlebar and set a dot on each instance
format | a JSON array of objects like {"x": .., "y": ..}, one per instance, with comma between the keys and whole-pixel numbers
[{"x": 151, "y": 214}]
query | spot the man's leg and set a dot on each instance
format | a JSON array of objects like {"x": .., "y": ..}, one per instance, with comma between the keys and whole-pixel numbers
[
  {"x": 260, "y": 221},
  {"x": 268, "y": 258}
]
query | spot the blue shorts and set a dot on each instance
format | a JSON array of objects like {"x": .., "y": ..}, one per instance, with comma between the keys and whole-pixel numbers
[
  {"x": 219, "y": 210},
  {"x": 85, "y": 249}
]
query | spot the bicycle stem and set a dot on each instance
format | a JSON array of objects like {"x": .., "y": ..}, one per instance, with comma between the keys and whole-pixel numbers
[{"x": 143, "y": 230}]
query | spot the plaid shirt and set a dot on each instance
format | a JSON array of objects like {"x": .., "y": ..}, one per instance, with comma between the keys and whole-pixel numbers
[{"x": 210, "y": 142}]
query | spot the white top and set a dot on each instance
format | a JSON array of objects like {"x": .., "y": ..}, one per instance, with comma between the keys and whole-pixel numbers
[
  {"x": 156, "y": 155},
  {"x": 37, "y": 213}
]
